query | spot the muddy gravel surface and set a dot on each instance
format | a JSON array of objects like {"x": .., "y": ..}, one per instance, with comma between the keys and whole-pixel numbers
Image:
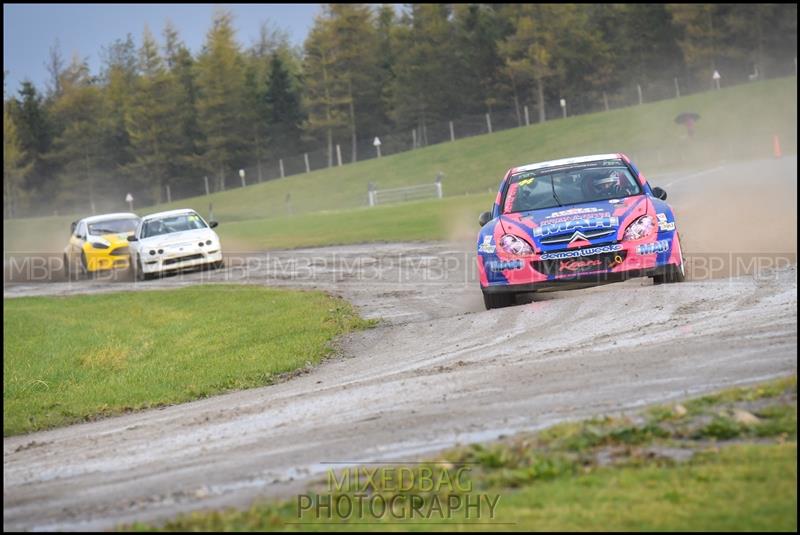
[{"x": 437, "y": 371}]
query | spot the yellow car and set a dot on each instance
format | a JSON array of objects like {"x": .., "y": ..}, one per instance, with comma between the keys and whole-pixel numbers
[{"x": 99, "y": 243}]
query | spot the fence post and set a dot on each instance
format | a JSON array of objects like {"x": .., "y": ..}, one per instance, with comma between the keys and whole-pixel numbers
[
  {"x": 489, "y": 123},
  {"x": 338, "y": 155},
  {"x": 677, "y": 88},
  {"x": 308, "y": 167},
  {"x": 439, "y": 189},
  {"x": 527, "y": 116},
  {"x": 414, "y": 138},
  {"x": 605, "y": 100},
  {"x": 452, "y": 132},
  {"x": 639, "y": 89},
  {"x": 258, "y": 163},
  {"x": 169, "y": 194},
  {"x": 205, "y": 179},
  {"x": 280, "y": 162}
]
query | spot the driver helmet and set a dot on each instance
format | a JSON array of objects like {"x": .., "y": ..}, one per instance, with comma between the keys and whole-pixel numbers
[{"x": 607, "y": 184}]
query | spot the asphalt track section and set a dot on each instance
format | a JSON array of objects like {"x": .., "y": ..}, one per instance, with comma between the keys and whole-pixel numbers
[{"x": 439, "y": 370}]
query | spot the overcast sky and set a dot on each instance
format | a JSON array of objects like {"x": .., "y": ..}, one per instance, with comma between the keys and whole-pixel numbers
[{"x": 30, "y": 30}]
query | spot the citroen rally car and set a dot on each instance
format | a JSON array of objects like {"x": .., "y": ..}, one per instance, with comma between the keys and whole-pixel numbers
[
  {"x": 573, "y": 223},
  {"x": 99, "y": 243},
  {"x": 174, "y": 240}
]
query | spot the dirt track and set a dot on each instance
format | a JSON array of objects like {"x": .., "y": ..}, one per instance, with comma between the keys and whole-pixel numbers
[{"x": 440, "y": 370}]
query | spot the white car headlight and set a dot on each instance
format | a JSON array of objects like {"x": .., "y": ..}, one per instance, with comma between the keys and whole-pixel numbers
[
  {"x": 641, "y": 228},
  {"x": 515, "y": 245}
]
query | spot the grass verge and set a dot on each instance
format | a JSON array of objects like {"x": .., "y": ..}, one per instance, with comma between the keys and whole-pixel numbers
[
  {"x": 451, "y": 218},
  {"x": 667, "y": 468},
  {"x": 71, "y": 359}
]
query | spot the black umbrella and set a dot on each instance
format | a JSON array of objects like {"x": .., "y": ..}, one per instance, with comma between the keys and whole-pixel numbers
[{"x": 686, "y": 117}]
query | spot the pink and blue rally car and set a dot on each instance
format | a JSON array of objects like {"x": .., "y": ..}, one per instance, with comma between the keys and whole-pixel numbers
[{"x": 574, "y": 223}]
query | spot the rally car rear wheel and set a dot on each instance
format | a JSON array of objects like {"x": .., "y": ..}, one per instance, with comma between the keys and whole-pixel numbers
[{"x": 498, "y": 300}]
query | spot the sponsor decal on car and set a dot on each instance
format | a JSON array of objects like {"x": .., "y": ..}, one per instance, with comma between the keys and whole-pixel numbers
[
  {"x": 591, "y": 251},
  {"x": 579, "y": 265},
  {"x": 486, "y": 246},
  {"x": 551, "y": 220},
  {"x": 501, "y": 266},
  {"x": 660, "y": 246},
  {"x": 573, "y": 211},
  {"x": 663, "y": 224},
  {"x": 566, "y": 226}
]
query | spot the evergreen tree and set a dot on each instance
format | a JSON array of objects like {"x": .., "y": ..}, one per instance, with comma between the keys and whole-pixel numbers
[
  {"x": 14, "y": 167},
  {"x": 478, "y": 29},
  {"x": 55, "y": 68},
  {"x": 34, "y": 135},
  {"x": 426, "y": 87},
  {"x": 528, "y": 51},
  {"x": 77, "y": 148},
  {"x": 186, "y": 165},
  {"x": 282, "y": 104},
  {"x": 119, "y": 79},
  {"x": 385, "y": 79},
  {"x": 322, "y": 88},
  {"x": 221, "y": 98},
  {"x": 352, "y": 32},
  {"x": 154, "y": 134}
]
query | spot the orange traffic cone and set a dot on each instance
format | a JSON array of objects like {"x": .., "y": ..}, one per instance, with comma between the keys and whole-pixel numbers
[{"x": 776, "y": 146}]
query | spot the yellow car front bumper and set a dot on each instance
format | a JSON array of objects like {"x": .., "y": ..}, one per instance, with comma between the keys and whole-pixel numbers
[{"x": 116, "y": 256}]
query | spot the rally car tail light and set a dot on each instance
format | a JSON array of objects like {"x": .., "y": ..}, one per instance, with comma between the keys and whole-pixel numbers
[{"x": 640, "y": 228}]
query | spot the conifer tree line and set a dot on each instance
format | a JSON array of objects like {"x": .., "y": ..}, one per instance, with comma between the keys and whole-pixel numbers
[{"x": 157, "y": 115}]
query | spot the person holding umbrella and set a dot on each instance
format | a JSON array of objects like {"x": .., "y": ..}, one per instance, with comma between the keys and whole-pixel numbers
[{"x": 688, "y": 119}]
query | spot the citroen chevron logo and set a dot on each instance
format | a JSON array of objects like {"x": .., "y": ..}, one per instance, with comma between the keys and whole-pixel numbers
[{"x": 578, "y": 236}]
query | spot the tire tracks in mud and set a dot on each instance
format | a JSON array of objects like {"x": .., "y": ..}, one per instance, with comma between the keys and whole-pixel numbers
[{"x": 453, "y": 374}]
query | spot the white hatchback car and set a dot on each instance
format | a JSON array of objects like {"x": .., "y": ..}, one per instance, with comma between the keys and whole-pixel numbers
[{"x": 171, "y": 241}]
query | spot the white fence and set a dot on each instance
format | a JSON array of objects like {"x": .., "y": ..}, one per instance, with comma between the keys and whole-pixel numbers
[{"x": 410, "y": 193}]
